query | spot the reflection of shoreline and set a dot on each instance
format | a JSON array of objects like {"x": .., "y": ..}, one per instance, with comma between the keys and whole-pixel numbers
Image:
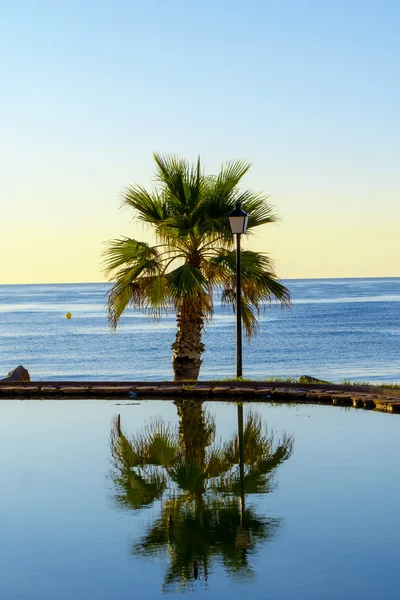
[{"x": 202, "y": 487}]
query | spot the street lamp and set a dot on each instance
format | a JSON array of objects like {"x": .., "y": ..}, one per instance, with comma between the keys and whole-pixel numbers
[{"x": 238, "y": 219}]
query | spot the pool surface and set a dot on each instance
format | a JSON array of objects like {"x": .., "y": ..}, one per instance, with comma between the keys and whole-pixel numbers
[{"x": 135, "y": 499}]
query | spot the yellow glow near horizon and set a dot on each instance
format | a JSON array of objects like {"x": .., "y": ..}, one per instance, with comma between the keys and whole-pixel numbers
[
  {"x": 330, "y": 232},
  {"x": 302, "y": 247}
]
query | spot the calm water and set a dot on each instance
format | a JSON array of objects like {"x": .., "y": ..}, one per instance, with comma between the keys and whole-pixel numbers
[
  {"x": 336, "y": 329},
  {"x": 165, "y": 507}
]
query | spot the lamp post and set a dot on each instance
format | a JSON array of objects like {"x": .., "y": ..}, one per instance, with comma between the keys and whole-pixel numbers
[{"x": 238, "y": 219}]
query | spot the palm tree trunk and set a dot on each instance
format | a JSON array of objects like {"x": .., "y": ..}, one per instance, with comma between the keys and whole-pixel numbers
[{"x": 188, "y": 347}]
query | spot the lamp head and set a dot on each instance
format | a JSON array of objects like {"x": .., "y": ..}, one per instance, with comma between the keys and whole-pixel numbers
[{"x": 238, "y": 220}]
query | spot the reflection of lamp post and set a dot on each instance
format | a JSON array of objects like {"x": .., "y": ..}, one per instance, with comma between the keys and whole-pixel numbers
[
  {"x": 238, "y": 219},
  {"x": 242, "y": 539},
  {"x": 241, "y": 456}
]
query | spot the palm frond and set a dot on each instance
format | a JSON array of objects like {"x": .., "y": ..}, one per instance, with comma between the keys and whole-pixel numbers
[
  {"x": 119, "y": 297},
  {"x": 188, "y": 475},
  {"x": 259, "y": 283},
  {"x": 177, "y": 178},
  {"x": 231, "y": 173},
  {"x": 259, "y": 210},
  {"x": 125, "y": 251},
  {"x": 156, "y": 444},
  {"x": 148, "y": 293},
  {"x": 219, "y": 199},
  {"x": 171, "y": 172},
  {"x": 150, "y": 208},
  {"x": 139, "y": 488},
  {"x": 186, "y": 281}
]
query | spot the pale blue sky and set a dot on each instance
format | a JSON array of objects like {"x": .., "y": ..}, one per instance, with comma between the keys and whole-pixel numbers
[{"x": 307, "y": 91}]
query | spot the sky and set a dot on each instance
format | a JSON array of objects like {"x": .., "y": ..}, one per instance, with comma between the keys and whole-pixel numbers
[{"x": 307, "y": 91}]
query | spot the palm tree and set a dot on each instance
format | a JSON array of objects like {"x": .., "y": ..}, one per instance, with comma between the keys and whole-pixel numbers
[{"x": 193, "y": 254}]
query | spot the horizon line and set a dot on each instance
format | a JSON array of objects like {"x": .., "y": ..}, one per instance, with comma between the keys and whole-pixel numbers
[{"x": 280, "y": 279}]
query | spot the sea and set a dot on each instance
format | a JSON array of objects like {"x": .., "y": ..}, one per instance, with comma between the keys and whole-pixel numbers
[{"x": 336, "y": 329}]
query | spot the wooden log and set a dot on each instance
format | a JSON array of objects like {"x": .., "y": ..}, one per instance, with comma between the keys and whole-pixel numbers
[
  {"x": 342, "y": 400},
  {"x": 172, "y": 390},
  {"x": 296, "y": 396},
  {"x": 381, "y": 404},
  {"x": 357, "y": 402},
  {"x": 6, "y": 391},
  {"x": 297, "y": 393},
  {"x": 325, "y": 398},
  {"x": 240, "y": 391},
  {"x": 74, "y": 390},
  {"x": 368, "y": 401},
  {"x": 263, "y": 391},
  {"x": 103, "y": 390},
  {"x": 201, "y": 390},
  {"x": 388, "y": 404},
  {"x": 25, "y": 390},
  {"x": 279, "y": 393},
  {"x": 220, "y": 390},
  {"x": 144, "y": 389},
  {"x": 49, "y": 389}
]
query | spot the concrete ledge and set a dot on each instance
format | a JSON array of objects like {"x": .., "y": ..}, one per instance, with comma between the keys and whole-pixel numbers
[{"x": 368, "y": 397}]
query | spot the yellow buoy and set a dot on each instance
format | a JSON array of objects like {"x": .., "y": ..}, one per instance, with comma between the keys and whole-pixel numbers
[{"x": 68, "y": 315}]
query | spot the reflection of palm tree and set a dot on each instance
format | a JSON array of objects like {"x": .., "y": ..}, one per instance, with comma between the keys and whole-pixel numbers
[
  {"x": 137, "y": 462},
  {"x": 204, "y": 516},
  {"x": 261, "y": 457},
  {"x": 196, "y": 533}
]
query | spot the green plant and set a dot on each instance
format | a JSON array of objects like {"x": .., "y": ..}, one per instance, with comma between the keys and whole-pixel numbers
[{"x": 194, "y": 254}]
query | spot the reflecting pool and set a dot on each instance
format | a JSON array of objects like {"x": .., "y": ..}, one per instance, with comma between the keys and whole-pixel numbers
[{"x": 123, "y": 499}]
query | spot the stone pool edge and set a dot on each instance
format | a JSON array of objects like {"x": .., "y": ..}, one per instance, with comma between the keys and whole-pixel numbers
[{"x": 367, "y": 397}]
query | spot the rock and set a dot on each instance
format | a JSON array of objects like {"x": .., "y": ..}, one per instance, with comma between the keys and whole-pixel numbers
[
  {"x": 308, "y": 379},
  {"x": 18, "y": 374}
]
